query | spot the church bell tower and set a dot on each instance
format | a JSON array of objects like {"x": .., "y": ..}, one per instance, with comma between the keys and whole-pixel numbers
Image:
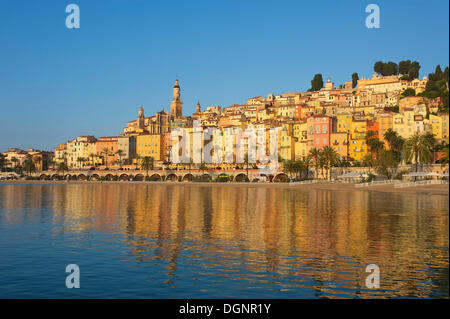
[{"x": 176, "y": 104}]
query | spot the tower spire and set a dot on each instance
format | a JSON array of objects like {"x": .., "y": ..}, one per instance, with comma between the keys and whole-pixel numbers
[{"x": 176, "y": 105}]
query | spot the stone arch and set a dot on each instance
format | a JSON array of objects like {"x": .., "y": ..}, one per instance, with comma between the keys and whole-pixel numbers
[
  {"x": 44, "y": 177},
  {"x": 56, "y": 177},
  {"x": 138, "y": 177},
  {"x": 155, "y": 178},
  {"x": 241, "y": 177},
  {"x": 281, "y": 178},
  {"x": 109, "y": 177},
  {"x": 172, "y": 177},
  {"x": 123, "y": 177},
  {"x": 82, "y": 177},
  {"x": 95, "y": 177},
  {"x": 224, "y": 178},
  {"x": 188, "y": 177}
]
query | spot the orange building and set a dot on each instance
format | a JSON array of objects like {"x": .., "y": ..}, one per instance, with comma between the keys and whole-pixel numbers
[{"x": 106, "y": 147}]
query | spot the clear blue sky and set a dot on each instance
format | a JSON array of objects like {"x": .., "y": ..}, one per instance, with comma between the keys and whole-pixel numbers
[{"x": 57, "y": 83}]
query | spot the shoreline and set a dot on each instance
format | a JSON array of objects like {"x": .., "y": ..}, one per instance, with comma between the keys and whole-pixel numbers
[{"x": 442, "y": 189}]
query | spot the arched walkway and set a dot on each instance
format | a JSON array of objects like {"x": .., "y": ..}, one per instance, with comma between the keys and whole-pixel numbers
[
  {"x": 223, "y": 178},
  {"x": 82, "y": 177},
  {"x": 241, "y": 178},
  {"x": 172, "y": 178},
  {"x": 123, "y": 177},
  {"x": 188, "y": 177},
  {"x": 139, "y": 178},
  {"x": 281, "y": 178},
  {"x": 155, "y": 178}
]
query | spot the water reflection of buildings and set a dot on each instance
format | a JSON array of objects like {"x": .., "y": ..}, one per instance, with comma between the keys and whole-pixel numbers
[{"x": 314, "y": 239}]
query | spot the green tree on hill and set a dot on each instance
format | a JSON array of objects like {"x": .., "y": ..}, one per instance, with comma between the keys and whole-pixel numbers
[
  {"x": 355, "y": 79},
  {"x": 316, "y": 82},
  {"x": 409, "y": 92}
]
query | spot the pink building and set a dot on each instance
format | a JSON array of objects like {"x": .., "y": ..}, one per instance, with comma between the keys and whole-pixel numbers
[{"x": 320, "y": 128}]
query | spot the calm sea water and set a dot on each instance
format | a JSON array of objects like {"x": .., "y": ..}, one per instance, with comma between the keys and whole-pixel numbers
[{"x": 192, "y": 241}]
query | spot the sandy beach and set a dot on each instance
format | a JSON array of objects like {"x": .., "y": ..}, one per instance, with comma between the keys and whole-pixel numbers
[{"x": 442, "y": 189}]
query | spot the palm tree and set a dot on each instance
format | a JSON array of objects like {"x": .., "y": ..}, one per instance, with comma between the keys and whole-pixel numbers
[
  {"x": 2, "y": 163},
  {"x": 375, "y": 145},
  {"x": 307, "y": 164},
  {"x": 106, "y": 152},
  {"x": 444, "y": 158},
  {"x": 434, "y": 147},
  {"x": 246, "y": 162},
  {"x": 417, "y": 149},
  {"x": 62, "y": 167},
  {"x": 394, "y": 140},
  {"x": 288, "y": 167},
  {"x": 147, "y": 163},
  {"x": 92, "y": 155},
  {"x": 330, "y": 156},
  {"x": 120, "y": 154},
  {"x": 368, "y": 161},
  {"x": 322, "y": 163},
  {"x": 315, "y": 153},
  {"x": 15, "y": 161},
  {"x": 299, "y": 167},
  {"x": 203, "y": 168},
  {"x": 390, "y": 137},
  {"x": 28, "y": 165}
]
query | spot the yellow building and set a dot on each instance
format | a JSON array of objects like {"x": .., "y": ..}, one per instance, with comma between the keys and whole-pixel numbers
[
  {"x": 445, "y": 126},
  {"x": 287, "y": 145},
  {"x": 365, "y": 110},
  {"x": 439, "y": 125},
  {"x": 344, "y": 122},
  {"x": 358, "y": 146},
  {"x": 403, "y": 124},
  {"x": 61, "y": 153},
  {"x": 340, "y": 143},
  {"x": 300, "y": 133},
  {"x": 151, "y": 145}
]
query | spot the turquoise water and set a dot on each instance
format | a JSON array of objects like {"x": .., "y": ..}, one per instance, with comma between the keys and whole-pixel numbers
[{"x": 192, "y": 241}]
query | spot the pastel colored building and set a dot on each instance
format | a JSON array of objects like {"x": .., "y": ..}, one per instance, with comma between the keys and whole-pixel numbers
[
  {"x": 340, "y": 143},
  {"x": 358, "y": 146},
  {"x": 80, "y": 150},
  {"x": 106, "y": 148},
  {"x": 151, "y": 145},
  {"x": 319, "y": 130},
  {"x": 126, "y": 149}
]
